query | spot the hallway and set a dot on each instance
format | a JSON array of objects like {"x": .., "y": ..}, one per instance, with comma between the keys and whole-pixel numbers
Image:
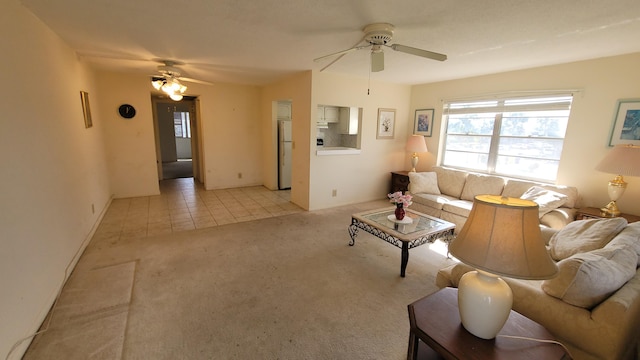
[{"x": 186, "y": 205}]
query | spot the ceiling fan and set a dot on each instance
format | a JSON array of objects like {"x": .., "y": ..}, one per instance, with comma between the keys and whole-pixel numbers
[
  {"x": 170, "y": 80},
  {"x": 375, "y": 37}
]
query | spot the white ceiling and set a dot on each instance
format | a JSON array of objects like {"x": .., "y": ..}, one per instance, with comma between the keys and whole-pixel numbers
[{"x": 258, "y": 41}]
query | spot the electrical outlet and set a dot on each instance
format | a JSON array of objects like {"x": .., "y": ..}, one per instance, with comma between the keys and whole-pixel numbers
[
  {"x": 239, "y": 175},
  {"x": 334, "y": 192}
]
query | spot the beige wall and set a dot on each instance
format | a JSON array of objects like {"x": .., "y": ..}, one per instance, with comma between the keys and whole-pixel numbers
[
  {"x": 52, "y": 173},
  {"x": 296, "y": 89},
  {"x": 600, "y": 82},
  {"x": 130, "y": 142},
  {"x": 229, "y": 123},
  {"x": 231, "y": 132},
  {"x": 365, "y": 176}
]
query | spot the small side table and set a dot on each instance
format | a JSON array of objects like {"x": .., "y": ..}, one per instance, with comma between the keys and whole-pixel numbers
[
  {"x": 435, "y": 320},
  {"x": 595, "y": 213},
  {"x": 399, "y": 181}
]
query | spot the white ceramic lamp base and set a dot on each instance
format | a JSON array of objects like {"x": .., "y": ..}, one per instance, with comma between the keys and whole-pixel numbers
[
  {"x": 414, "y": 162},
  {"x": 485, "y": 302}
]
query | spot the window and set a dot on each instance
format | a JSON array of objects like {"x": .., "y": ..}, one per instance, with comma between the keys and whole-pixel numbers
[
  {"x": 517, "y": 137},
  {"x": 182, "y": 124}
]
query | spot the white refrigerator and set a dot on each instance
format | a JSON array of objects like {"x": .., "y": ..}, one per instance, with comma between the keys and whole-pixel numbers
[{"x": 284, "y": 154}]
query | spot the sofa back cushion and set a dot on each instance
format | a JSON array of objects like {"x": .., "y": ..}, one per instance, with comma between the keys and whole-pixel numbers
[
  {"x": 423, "y": 183},
  {"x": 584, "y": 235},
  {"x": 450, "y": 181},
  {"x": 515, "y": 188},
  {"x": 477, "y": 184},
  {"x": 587, "y": 279}
]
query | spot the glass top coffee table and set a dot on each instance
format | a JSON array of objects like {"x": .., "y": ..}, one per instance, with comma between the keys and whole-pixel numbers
[{"x": 414, "y": 230}]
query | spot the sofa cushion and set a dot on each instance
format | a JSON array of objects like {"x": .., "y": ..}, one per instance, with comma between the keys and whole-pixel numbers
[
  {"x": 477, "y": 184},
  {"x": 458, "y": 207},
  {"x": 450, "y": 181},
  {"x": 432, "y": 200},
  {"x": 546, "y": 199},
  {"x": 630, "y": 236},
  {"x": 584, "y": 235},
  {"x": 515, "y": 188},
  {"x": 586, "y": 279},
  {"x": 423, "y": 182}
]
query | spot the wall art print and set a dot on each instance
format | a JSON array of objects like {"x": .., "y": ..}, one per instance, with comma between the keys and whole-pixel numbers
[
  {"x": 386, "y": 123},
  {"x": 626, "y": 123}
]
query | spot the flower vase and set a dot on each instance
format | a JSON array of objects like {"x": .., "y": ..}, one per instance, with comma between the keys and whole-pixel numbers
[{"x": 399, "y": 211}]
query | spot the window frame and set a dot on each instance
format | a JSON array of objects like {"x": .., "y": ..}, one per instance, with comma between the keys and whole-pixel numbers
[{"x": 499, "y": 105}]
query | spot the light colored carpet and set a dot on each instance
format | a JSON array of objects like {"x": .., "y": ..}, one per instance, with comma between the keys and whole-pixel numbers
[{"x": 287, "y": 287}]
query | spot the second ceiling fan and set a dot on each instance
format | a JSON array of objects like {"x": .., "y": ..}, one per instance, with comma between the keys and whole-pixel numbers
[{"x": 377, "y": 36}]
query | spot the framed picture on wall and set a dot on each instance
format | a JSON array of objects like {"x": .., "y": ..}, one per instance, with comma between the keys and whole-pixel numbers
[
  {"x": 423, "y": 122},
  {"x": 386, "y": 123},
  {"x": 86, "y": 110},
  {"x": 626, "y": 123}
]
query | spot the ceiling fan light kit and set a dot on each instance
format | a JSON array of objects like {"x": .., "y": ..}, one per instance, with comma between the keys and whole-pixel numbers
[
  {"x": 169, "y": 80},
  {"x": 378, "y": 35},
  {"x": 170, "y": 86}
]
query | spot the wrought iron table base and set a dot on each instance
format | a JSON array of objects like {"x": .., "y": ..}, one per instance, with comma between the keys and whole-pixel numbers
[{"x": 403, "y": 245}]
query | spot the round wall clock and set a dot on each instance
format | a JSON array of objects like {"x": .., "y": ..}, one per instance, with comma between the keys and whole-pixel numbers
[{"x": 127, "y": 111}]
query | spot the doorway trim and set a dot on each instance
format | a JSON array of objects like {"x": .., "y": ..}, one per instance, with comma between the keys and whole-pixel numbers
[{"x": 196, "y": 139}]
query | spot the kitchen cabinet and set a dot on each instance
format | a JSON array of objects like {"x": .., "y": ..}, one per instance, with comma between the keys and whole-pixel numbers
[
  {"x": 348, "y": 120},
  {"x": 328, "y": 114},
  {"x": 284, "y": 111}
]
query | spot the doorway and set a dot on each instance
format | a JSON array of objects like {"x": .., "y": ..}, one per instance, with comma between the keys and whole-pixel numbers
[{"x": 177, "y": 147}]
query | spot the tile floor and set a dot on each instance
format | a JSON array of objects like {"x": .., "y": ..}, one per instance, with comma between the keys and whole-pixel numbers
[{"x": 186, "y": 205}]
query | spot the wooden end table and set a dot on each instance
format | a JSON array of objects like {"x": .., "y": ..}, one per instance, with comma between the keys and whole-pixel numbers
[
  {"x": 435, "y": 320},
  {"x": 595, "y": 213},
  {"x": 399, "y": 181}
]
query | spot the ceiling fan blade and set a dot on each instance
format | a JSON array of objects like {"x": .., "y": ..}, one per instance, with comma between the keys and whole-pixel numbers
[
  {"x": 333, "y": 62},
  {"x": 343, "y": 52},
  {"x": 419, "y": 52},
  {"x": 377, "y": 61},
  {"x": 182, "y": 78}
]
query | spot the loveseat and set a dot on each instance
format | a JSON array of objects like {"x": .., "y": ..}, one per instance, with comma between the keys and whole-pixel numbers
[
  {"x": 592, "y": 305},
  {"x": 448, "y": 194}
]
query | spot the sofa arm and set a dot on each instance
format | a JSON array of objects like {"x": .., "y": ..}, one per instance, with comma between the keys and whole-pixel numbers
[
  {"x": 619, "y": 316},
  {"x": 450, "y": 276},
  {"x": 558, "y": 218}
]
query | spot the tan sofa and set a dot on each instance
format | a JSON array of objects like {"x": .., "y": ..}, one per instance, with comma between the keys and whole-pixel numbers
[
  {"x": 448, "y": 194},
  {"x": 594, "y": 308}
]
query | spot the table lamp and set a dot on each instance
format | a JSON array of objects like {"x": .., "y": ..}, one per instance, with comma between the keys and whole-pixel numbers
[
  {"x": 415, "y": 144},
  {"x": 622, "y": 160},
  {"x": 500, "y": 237}
]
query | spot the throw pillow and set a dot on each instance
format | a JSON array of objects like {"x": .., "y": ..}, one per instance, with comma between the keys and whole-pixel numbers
[
  {"x": 547, "y": 200},
  {"x": 423, "y": 182},
  {"x": 584, "y": 235},
  {"x": 587, "y": 279}
]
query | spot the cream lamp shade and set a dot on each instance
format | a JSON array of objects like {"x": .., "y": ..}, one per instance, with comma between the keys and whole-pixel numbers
[
  {"x": 416, "y": 144},
  {"x": 622, "y": 160},
  {"x": 500, "y": 237}
]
